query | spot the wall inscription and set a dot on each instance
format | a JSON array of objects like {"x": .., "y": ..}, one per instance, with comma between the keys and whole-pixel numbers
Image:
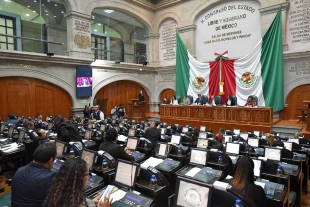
[{"x": 167, "y": 42}]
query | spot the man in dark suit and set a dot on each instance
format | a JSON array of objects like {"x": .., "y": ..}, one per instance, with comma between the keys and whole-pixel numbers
[
  {"x": 12, "y": 120},
  {"x": 153, "y": 134},
  {"x": 199, "y": 100},
  {"x": 110, "y": 146},
  {"x": 141, "y": 96}
]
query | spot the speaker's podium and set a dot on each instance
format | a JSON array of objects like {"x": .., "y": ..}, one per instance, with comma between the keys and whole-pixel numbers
[{"x": 137, "y": 109}]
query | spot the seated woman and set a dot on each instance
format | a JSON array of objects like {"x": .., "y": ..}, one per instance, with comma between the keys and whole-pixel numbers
[
  {"x": 68, "y": 187},
  {"x": 220, "y": 134},
  {"x": 250, "y": 102},
  {"x": 244, "y": 181},
  {"x": 270, "y": 139},
  {"x": 230, "y": 101},
  {"x": 174, "y": 100}
]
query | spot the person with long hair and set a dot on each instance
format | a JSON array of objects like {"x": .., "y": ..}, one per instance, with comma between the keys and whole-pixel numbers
[
  {"x": 220, "y": 134},
  {"x": 68, "y": 187},
  {"x": 243, "y": 180}
]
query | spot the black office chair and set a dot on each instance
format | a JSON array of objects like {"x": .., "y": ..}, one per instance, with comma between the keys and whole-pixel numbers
[
  {"x": 255, "y": 99},
  {"x": 304, "y": 141},
  {"x": 235, "y": 99},
  {"x": 191, "y": 99},
  {"x": 218, "y": 100},
  {"x": 204, "y": 99},
  {"x": 245, "y": 198}
]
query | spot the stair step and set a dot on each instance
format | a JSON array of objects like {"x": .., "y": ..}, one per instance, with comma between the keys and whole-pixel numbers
[{"x": 286, "y": 130}]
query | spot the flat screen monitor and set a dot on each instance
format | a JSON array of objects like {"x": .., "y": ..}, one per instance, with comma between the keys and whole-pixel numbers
[
  {"x": 233, "y": 148},
  {"x": 257, "y": 133},
  {"x": 198, "y": 157},
  {"x": 132, "y": 143},
  {"x": 202, "y": 143},
  {"x": 90, "y": 157},
  {"x": 126, "y": 173},
  {"x": 244, "y": 136},
  {"x": 87, "y": 134},
  {"x": 102, "y": 127},
  {"x": 202, "y": 135},
  {"x": 288, "y": 145},
  {"x": 237, "y": 131},
  {"x": 90, "y": 125},
  {"x": 175, "y": 139},
  {"x": 60, "y": 147},
  {"x": 185, "y": 129},
  {"x": 253, "y": 142},
  {"x": 163, "y": 131},
  {"x": 227, "y": 139},
  {"x": 83, "y": 82},
  {"x": 296, "y": 140},
  {"x": 131, "y": 133},
  {"x": 202, "y": 128},
  {"x": 162, "y": 149},
  {"x": 273, "y": 154},
  {"x": 190, "y": 193},
  {"x": 257, "y": 168}
]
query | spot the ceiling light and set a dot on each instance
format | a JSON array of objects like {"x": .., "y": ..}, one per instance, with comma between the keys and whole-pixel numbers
[
  {"x": 55, "y": 4},
  {"x": 140, "y": 69},
  {"x": 48, "y": 0},
  {"x": 7, "y": 0},
  {"x": 46, "y": 11},
  {"x": 95, "y": 30},
  {"x": 34, "y": 0},
  {"x": 33, "y": 11},
  {"x": 47, "y": 14},
  {"x": 62, "y": 12},
  {"x": 108, "y": 11},
  {"x": 98, "y": 24},
  {"x": 42, "y": 4},
  {"x": 27, "y": 15},
  {"x": 28, "y": 6},
  {"x": 55, "y": 16}
]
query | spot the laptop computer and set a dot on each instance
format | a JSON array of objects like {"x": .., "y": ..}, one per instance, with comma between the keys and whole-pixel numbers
[
  {"x": 202, "y": 143},
  {"x": 254, "y": 142},
  {"x": 273, "y": 153},
  {"x": 132, "y": 144},
  {"x": 175, "y": 139},
  {"x": 227, "y": 138},
  {"x": 288, "y": 145},
  {"x": 132, "y": 132},
  {"x": 233, "y": 150}
]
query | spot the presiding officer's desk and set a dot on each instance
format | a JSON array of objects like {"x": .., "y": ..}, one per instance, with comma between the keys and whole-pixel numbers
[{"x": 243, "y": 118}]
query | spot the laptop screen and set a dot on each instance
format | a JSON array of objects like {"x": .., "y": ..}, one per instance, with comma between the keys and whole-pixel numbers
[
  {"x": 227, "y": 139},
  {"x": 237, "y": 131},
  {"x": 288, "y": 145},
  {"x": 233, "y": 148},
  {"x": 132, "y": 143},
  {"x": 256, "y": 133},
  {"x": 198, "y": 157},
  {"x": 253, "y": 142},
  {"x": 244, "y": 136},
  {"x": 273, "y": 154},
  {"x": 185, "y": 129},
  {"x": 131, "y": 133},
  {"x": 162, "y": 149},
  {"x": 175, "y": 139},
  {"x": 202, "y": 143},
  {"x": 296, "y": 140},
  {"x": 202, "y": 135},
  {"x": 202, "y": 128},
  {"x": 257, "y": 167}
]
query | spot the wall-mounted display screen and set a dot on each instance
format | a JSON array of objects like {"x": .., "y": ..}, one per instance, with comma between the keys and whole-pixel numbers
[{"x": 83, "y": 82}]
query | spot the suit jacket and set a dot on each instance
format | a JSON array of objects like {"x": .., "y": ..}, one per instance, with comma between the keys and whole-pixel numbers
[
  {"x": 199, "y": 101},
  {"x": 115, "y": 151},
  {"x": 141, "y": 97},
  {"x": 232, "y": 103}
]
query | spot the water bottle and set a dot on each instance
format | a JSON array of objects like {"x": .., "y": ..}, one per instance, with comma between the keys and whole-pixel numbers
[
  {"x": 71, "y": 153},
  {"x": 238, "y": 203},
  {"x": 153, "y": 182},
  {"x": 104, "y": 164},
  {"x": 220, "y": 160},
  {"x": 179, "y": 151},
  {"x": 145, "y": 145},
  {"x": 279, "y": 171}
]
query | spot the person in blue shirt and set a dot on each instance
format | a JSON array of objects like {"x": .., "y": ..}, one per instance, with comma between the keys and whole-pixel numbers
[
  {"x": 12, "y": 119},
  {"x": 31, "y": 183},
  {"x": 199, "y": 100}
]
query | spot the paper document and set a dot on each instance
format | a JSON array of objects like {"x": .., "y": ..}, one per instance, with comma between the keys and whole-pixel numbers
[
  {"x": 122, "y": 138},
  {"x": 162, "y": 149},
  {"x": 119, "y": 194},
  {"x": 152, "y": 161},
  {"x": 260, "y": 184},
  {"x": 193, "y": 172}
]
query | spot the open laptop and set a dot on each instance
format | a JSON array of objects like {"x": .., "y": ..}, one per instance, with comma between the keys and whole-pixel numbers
[
  {"x": 233, "y": 150},
  {"x": 162, "y": 150},
  {"x": 296, "y": 140},
  {"x": 202, "y": 143},
  {"x": 254, "y": 142},
  {"x": 273, "y": 153},
  {"x": 244, "y": 136},
  {"x": 236, "y": 131},
  {"x": 257, "y": 133},
  {"x": 198, "y": 157},
  {"x": 87, "y": 138},
  {"x": 132, "y": 144},
  {"x": 288, "y": 145},
  {"x": 184, "y": 129}
]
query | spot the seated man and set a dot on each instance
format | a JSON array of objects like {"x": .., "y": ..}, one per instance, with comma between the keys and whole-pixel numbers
[
  {"x": 152, "y": 133},
  {"x": 12, "y": 120},
  {"x": 31, "y": 183},
  {"x": 186, "y": 100},
  {"x": 166, "y": 101},
  {"x": 250, "y": 102},
  {"x": 110, "y": 146},
  {"x": 199, "y": 100},
  {"x": 66, "y": 131}
]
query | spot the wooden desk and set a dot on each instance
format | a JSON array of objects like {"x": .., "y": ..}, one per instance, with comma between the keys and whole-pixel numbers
[{"x": 243, "y": 118}]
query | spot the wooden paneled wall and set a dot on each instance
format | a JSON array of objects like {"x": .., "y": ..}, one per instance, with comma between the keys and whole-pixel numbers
[
  {"x": 119, "y": 92},
  {"x": 168, "y": 93},
  {"x": 295, "y": 101},
  {"x": 28, "y": 96}
]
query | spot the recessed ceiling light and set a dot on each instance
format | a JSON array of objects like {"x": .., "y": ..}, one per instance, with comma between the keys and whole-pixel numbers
[
  {"x": 54, "y": 16},
  {"x": 99, "y": 24},
  {"x": 48, "y": 0},
  {"x": 108, "y": 11},
  {"x": 42, "y": 4},
  {"x": 28, "y": 6},
  {"x": 46, "y": 11},
  {"x": 47, "y": 14},
  {"x": 95, "y": 30},
  {"x": 27, "y": 15},
  {"x": 62, "y": 12},
  {"x": 33, "y": 11},
  {"x": 34, "y": 0}
]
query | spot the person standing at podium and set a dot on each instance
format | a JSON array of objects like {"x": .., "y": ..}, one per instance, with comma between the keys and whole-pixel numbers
[{"x": 141, "y": 96}]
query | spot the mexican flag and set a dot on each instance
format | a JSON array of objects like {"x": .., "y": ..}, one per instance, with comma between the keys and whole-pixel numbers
[{"x": 259, "y": 73}]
